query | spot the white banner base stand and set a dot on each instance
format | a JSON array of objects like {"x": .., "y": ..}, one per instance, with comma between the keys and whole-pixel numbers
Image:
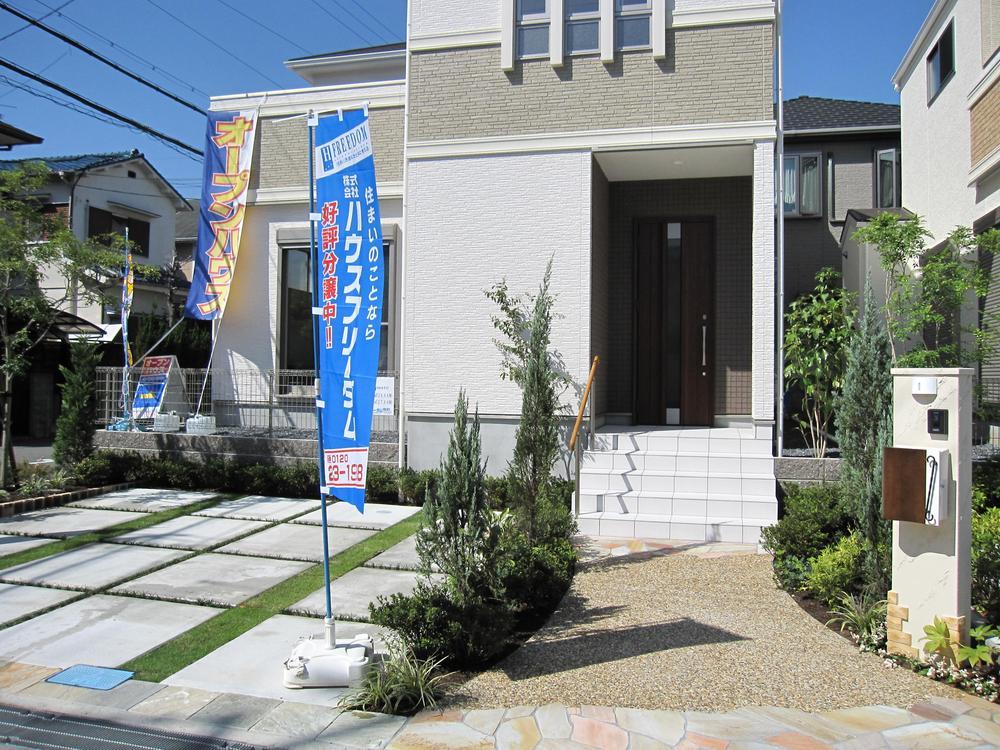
[{"x": 321, "y": 662}]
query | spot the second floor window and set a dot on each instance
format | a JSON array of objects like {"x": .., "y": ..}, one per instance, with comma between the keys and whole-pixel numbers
[
  {"x": 583, "y": 24},
  {"x": 941, "y": 62},
  {"x": 532, "y": 28},
  {"x": 802, "y": 185},
  {"x": 887, "y": 179},
  {"x": 632, "y": 21},
  {"x": 101, "y": 222}
]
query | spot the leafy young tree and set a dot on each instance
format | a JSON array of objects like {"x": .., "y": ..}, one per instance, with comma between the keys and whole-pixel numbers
[
  {"x": 34, "y": 243},
  {"x": 460, "y": 533},
  {"x": 816, "y": 334},
  {"x": 75, "y": 426},
  {"x": 864, "y": 421}
]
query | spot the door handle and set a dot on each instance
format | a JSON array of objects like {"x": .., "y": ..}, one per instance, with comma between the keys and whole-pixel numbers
[{"x": 704, "y": 340}]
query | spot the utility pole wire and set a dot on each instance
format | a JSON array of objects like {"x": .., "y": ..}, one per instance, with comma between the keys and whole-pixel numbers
[
  {"x": 365, "y": 39},
  {"x": 215, "y": 44},
  {"x": 51, "y": 11},
  {"x": 377, "y": 20},
  {"x": 99, "y": 107},
  {"x": 88, "y": 51},
  {"x": 266, "y": 28}
]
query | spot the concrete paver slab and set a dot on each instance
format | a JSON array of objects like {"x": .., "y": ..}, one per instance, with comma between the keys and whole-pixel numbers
[
  {"x": 190, "y": 532},
  {"x": 174, "y": 703},
  {"x": 289, "y": 541},
  {"x": 18, "y": 601},
  {"x": 224, "y": 580},
  {"x": 354, "y": 591},
  {"x": 402, "y": 556},
  {"x": 16, "y": 676},
  {"x": 362, "y": 729},
  {"x": 91, "y": 567},
  {"x": 296, "y": 720},
  {"x": 123, "y": 696},
  {"x": 376, "y": 515},
  {"x": 104, "y": 631},
  {"x": 64, "y": 521},
  {"x": 251, "y": 663},
  {"x": 143, "y": 499},
  {"x": 235, "y": 710},
  {"x": 10, "y": 544},
  {"x": 260, "y": 508}
]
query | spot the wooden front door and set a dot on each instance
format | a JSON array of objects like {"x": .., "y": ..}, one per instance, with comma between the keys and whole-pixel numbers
[{"x": 674, "y": 322}]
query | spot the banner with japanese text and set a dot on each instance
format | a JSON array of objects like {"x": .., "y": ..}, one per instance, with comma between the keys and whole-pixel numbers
[
  {"x": 348, "y": 273},
  {"x": 225, "y": 180}
]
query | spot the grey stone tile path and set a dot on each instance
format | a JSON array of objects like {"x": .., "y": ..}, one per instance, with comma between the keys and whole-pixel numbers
[
  {"x": 18, "y": 601},
  {"x": 402, "y": 556},
  {"x": 289, "y": 541},
  {"x": 354, "y": 591},
  {"x": 9, "y": 543},
  {"x": 93, "y": 566},
  {"x": 64, "y": 521},
  {"x": 223, "y": 580},
  {"x": 190, "y": 532},
  {"x": 104, "y": 631},
  {"x": 251, "y": 664},
  {"x": 143, "y": 500},
  {"x": 376, "y": 515},
  {"x": 260, "y": 508}
]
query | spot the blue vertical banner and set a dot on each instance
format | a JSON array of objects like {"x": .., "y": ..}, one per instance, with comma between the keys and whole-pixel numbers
[{"x": 348, "y": 279}]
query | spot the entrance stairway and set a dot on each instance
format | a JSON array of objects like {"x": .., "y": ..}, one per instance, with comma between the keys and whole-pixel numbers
[{"x": 711, "y": 484}]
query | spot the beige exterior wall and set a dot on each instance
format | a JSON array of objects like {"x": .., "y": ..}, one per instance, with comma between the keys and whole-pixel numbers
[
  {"x": 985, "y": 124},
  {"x": 712, "y": 74},
  {"x": 280, "y": 157}
]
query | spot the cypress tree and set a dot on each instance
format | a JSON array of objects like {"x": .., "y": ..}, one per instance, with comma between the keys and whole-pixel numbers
[
  {"x": 864, "y": 422},
  {"x": 74, "y": 439}
]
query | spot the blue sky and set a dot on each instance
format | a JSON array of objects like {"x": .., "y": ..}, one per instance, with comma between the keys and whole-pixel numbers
[{"x": 836, "y": 48}]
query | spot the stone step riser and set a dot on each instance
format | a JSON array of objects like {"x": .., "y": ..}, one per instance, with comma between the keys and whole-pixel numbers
[
  {"x": 736, "y": 533},
  {"x": 626, "y": 462},
  {"x": 760, "y": 511},
  {"x": 665, "y": 483},
  {"x": 671, "y": 444}
]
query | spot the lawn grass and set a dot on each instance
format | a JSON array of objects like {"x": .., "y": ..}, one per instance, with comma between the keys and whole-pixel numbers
[
  {"x": 148, "y": 519},
  {"x": 201, "y": 640}
]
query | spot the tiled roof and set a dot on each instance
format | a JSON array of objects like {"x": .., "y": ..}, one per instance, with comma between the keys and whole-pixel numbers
[
  {"x": 815, "y": 113},
  {"x": 186, "y": 222},
  {"x": 11, "y": 136},
  {"x": 393, "y": 47},
  {"x": 72, "y": 163}
]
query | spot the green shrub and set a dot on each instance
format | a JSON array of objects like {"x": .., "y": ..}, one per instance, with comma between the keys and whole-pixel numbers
[
  {"x": 74, "y": 439},
  {"x": 836, "y": 570},
  {"x": 534, "y": 578},
  {"x": 986, "y": 484},
  {"x": 402, "y": 685},
  {"x": 413, "y": 484},
  {"x": 466, "y": 636},
  {"x": 814, "y": 518},
  {"x": 498, "y": 492},
  {"x": 382, "y": 484},
  {"x": 986, "y": 563}
]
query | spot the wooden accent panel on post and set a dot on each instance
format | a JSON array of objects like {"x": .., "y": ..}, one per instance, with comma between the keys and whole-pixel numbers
[{"x": 904, "y": 484}]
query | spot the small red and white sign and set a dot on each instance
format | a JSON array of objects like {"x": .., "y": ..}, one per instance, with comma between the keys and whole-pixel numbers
[
  {"x": 158, "y": 365},
  {"x": 345, "y": 467}
]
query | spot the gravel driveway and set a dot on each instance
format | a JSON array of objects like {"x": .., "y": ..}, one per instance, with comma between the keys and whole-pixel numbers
[{"x": 683, "y": 631}]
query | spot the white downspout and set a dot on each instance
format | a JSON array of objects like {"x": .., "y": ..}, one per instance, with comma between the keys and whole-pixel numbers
[
  {"x": 780, "y": 231},
  {"x": 403, "y": 252}
]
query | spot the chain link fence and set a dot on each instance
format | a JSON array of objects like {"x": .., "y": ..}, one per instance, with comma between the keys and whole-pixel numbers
[{"x": 247, "y": 401}]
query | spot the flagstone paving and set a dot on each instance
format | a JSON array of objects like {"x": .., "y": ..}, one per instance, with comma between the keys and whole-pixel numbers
[
  {"x": 99, "y": 630},
  {"x": 18, "y": 601},
  {"x": 376, "y": 515},
  {"x": 260, "y": 508},
  {"x": 222, "y": 580},
  {"x": 190, "y": 532},
  {"x": 64, "y": 521},
  {"x": 288, "y": 541},
  {"x": 10, "y": 544},
  {"x": 143, "y": 500},
  {"x": 91, "y": 567},
  {"x": 354, "y": 591}
]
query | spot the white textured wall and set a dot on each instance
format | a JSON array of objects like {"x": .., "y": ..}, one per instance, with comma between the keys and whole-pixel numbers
[
  {"x": 689, "y": 5},
  {"x": 446, "y": 16},
  {"x": 763, "y": 355},
  {"x": 472, "y": 221},
  {"x": 936, "y": 138}
]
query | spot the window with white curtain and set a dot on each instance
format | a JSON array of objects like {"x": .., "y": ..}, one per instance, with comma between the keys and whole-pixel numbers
[
  {"x": 532, "y": 28},
  {"x": 802, "y": 185},
  {"x": 632, "y": 21},
  {"x": 583, "y": 26},
  {"x": 887, "y": 178}
]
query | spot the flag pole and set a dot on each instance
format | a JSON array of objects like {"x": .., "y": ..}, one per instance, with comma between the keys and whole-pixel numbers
[
  {"x": 313, "y": 121},
  {"x": 126, "y": 305}
]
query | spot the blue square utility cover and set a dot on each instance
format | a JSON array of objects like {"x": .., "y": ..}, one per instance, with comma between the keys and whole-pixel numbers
[{"x": 96, "y": 678}]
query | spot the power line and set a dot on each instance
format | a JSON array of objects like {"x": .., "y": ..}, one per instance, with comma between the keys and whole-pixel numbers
[
  {"x": 88, "y": 51},
  {"x": 365, "y": 39},
  {"x": 266, "y": 28},
  {"x": 99, "y": 107},
  {"x": 51, "y": 11},
  {"x": 215, "y": 44},
  {"x": 375, "y": 18},
  {"x": 112, "y": 43}
]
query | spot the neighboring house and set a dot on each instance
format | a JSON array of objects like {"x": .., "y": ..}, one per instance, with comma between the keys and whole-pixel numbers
[
  {"x": 186, "y": 240},
  {"x": 11, "y": 136},
  {"x": 840, "y": 156},
  {"x": 630, "y": 142},
  {"x": 949, "y": 84}
]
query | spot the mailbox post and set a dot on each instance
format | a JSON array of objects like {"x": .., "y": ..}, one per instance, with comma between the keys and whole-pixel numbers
[{"x": 931, "y": 536}]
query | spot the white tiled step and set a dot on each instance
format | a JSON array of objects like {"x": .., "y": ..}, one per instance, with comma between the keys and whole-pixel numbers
[
  {"x": 687, "y": 528},
  {"x": 709, "y": 441},
  {"x": 679, "y": 461},
  {"x": 756, "y": 507},
  {"x": 597, "y": 481}
]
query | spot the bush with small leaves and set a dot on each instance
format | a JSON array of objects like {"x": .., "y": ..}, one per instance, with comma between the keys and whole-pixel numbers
[{"x": 836, "y": 569}]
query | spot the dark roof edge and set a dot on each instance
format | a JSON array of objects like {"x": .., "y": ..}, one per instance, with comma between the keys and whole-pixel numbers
[{"x": 394, "y": 47}]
